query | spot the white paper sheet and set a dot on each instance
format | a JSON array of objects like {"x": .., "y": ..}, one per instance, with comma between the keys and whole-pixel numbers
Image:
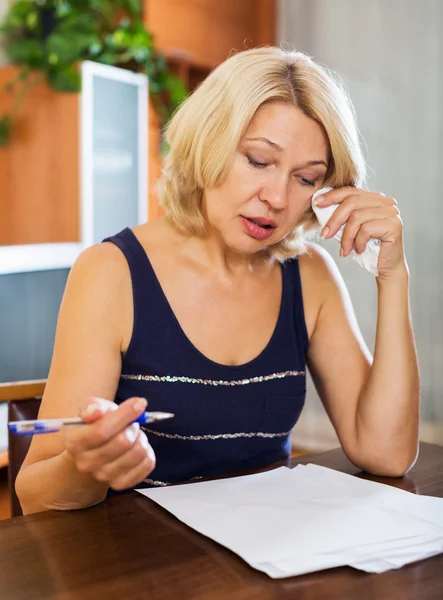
[
  {"x": 289, "y": 522},
  {"x": 429, "y": 508}
]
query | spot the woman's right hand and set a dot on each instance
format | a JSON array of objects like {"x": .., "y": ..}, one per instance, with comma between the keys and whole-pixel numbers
[{"x": 111, "y": 447}]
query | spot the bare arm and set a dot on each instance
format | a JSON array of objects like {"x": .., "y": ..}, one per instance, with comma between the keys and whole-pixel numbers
[
  {"x": 389, "y": 403},
  {"x": 86, "y": 363},
  {"x": 373, "y": 407}
]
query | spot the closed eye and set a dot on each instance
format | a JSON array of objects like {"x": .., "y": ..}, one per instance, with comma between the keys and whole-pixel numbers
[
  {"x": 262, "y": 165},
  {"x": 254, "y": 163},
  {"x": 305, "y": 181}
]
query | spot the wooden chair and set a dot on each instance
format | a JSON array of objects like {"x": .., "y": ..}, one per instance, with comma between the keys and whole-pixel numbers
[{"x": 23, "y": 398}]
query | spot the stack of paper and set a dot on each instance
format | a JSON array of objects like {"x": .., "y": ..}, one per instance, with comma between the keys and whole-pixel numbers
[{"x": 288, "y": 522}]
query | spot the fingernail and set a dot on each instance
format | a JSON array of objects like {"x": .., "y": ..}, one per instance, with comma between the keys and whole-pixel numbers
[
  {"x": 132, "y": 432},
  {"x": 151, "y": 453},
  {"x": 324, "y": 233},
  {"x": 140, "y": 404},
  {"x": 91, "y": 409}
]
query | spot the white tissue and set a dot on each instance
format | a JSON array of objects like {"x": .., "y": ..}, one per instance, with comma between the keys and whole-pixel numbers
[{"x": 369, "y": 258}]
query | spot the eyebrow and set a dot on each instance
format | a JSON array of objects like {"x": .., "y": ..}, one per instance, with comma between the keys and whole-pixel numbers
[{"x": 277, "y": 147}]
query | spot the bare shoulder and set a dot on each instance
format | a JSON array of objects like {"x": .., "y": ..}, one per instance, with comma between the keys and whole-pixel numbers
[
  {"x": 104, "y": 260},
  {"x": 321, "y": 282},
  {"x": 102, "y": 272},
  {"x": 101, "y": 279},
  {"x": 99, "y": 288},
  {"x": 317, "y": 263}
]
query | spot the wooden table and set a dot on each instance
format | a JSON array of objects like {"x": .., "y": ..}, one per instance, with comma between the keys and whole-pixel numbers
[{"x": 128, "y": 547}]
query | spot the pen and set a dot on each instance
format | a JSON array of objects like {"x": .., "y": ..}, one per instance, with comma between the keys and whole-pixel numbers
[{"x": 53, "y": 425}]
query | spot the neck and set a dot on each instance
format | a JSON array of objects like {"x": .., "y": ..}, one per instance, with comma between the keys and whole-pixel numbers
[{"x": 213, "y": 254}]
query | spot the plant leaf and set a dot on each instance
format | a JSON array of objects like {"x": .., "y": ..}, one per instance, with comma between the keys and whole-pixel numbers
[
  {"x": 176, "y": 89},
  {"x": 18, "y": 13},
  {"x": 133, "y": 7},
  {"x": 64, "y": 78},
  {"x": 78, "y": 23},
  {"x": 107, "y": 58},
  {"x": 28, "y": 52},
  {"x": 5, "y": 130},
  {"x": 68, "y": 47}
]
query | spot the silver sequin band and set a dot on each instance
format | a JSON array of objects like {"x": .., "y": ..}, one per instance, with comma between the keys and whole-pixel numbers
[
  {"x": 154, "y": 482},
  {"x": 219, "y": 436},
  {"x": 164, "y": 483},
  {"x": 180, "y": 379}
]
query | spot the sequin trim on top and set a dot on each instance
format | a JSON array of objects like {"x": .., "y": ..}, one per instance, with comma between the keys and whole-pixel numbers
[
  {"x": 165, "y": 483},
  {"x": 155, "y": 482},
  {"x": 181, "y": 379},
  {"x": 219, "y": 436}
]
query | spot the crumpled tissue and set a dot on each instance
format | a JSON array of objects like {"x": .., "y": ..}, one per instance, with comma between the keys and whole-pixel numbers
[{"x": 367, "y": 259}]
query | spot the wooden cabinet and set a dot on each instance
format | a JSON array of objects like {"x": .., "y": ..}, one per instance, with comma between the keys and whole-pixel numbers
[
  {"x": 206, "y": 31},
  {"x": 40, "y": 170}
]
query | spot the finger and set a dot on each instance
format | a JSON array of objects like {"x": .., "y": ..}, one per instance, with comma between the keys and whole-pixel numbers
[
  {"x": 101, "y": 431},
  {"x": 91, "y": 460},
  {"x": 356, "y": 219},
  {"x": 134, "y": 476},
  {"x": 341, "y": 215},
  {"x": 133, "y": 458},
  {"x": 337, "y": 196},
  {"x": 96, "y": 408},
  {"x": 387, "y": 230},
  {"x": 361, "y": 239},
  {"x": 116, "y": 421}
]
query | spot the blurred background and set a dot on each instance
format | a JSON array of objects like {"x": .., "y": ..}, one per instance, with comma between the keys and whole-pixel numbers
[{"x": 68, "y": 164}]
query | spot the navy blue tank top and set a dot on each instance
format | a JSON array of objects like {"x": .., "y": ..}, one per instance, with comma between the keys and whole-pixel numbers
[{"x": 226, "y": 417}]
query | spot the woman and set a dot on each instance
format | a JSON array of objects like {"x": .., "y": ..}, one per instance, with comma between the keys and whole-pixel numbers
[{"x": 207, "y": 314}]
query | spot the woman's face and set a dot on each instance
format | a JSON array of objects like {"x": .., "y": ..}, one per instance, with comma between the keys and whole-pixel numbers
[{"x": 280, "y": 162}]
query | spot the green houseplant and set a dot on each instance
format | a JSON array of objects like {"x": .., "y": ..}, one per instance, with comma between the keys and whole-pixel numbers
[{"x": 47, "y": 39}]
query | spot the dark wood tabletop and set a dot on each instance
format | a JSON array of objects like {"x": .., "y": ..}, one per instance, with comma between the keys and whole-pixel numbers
[{"x": 128, "y": 547}]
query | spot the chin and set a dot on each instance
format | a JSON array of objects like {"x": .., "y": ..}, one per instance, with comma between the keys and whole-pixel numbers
[{"x": 248, "y": 245}]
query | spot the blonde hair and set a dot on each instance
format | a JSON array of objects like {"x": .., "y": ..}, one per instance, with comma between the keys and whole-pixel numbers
[{"x": 204, "y": 133}]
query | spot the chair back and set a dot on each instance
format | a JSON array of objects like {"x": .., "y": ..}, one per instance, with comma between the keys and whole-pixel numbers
[{"x": 23, "y": 398}]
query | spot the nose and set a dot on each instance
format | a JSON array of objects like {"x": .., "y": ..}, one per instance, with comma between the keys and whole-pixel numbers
[{"x": 275, "y": 193}]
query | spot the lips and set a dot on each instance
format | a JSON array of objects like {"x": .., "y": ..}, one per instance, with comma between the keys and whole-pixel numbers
[
  {"x": 259, "y": 228},
  {"x": 263, "y": 222}
]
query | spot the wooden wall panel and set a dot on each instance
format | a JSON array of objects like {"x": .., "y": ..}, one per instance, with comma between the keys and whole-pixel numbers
[
  {"x": 39, "y": 172},
  {"x": 207, "y": 30},
  {"x": 266, "y": 22}
]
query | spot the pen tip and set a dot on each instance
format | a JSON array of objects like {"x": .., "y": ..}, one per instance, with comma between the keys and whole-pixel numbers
[{"x": 160, "y": 416}]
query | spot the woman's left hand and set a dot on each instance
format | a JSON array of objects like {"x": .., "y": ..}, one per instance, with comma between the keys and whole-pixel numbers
[{"x": 366, "y": 215}]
